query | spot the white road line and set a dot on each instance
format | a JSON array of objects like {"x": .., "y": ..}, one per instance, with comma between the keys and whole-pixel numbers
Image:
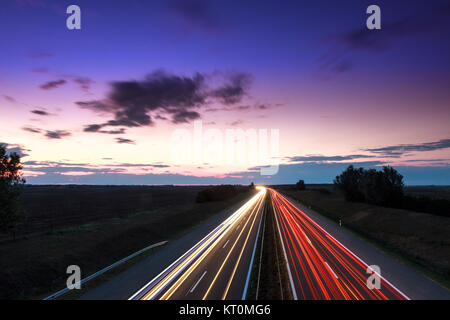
[
  {"x": 247, "y": 281},
  {"x": 198, "y": 281},
  {"x": 226, "y": 244},
  {"x": 331, "y": 270}
]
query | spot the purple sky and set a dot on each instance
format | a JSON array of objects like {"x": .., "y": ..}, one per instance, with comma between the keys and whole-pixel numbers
[{"x": 101, "y": 104}]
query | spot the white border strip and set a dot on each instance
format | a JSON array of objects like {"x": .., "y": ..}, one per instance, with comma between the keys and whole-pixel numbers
[{"x": 244, "y": 294}]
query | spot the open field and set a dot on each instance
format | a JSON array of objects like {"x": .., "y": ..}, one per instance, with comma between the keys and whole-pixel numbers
[
  {"x": 52, "y": 207},
  {"x": 129, "y": 219},
  {"x": 434, "y": 192},
  {"x": 420, "y": 239}
]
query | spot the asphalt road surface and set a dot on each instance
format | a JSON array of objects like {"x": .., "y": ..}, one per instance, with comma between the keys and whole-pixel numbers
[{"x": 217, "y": 267}]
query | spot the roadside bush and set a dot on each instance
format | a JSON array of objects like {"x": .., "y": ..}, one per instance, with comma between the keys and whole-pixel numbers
[
  {"x": 349, "y": 182},
  {"x": 301, "y": 185}
]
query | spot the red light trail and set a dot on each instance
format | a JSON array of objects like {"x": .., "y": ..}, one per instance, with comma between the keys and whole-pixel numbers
[{"x": 321, "y": 267}]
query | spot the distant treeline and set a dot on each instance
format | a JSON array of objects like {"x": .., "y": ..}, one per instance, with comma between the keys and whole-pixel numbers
[
  {"x": 221, "y": 192},
  {"x": 385, "y": 188}
]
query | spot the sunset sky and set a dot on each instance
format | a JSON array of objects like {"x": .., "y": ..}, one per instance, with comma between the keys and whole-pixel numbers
[{"x": 101, "y": 105}]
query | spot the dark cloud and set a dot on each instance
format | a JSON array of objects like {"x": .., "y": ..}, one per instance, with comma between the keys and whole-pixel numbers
[
  {"x": 185, "y": 116},
  {"x": 97, "y": 106},
  {"x": 97, "y": 128},
  {"x": 160, "y": 117},
  {"x": 123, "y": 140},
  {"x": 40, "y": 112},
  {"x": 244, "y": 108},
  {"x": 234, "y": 91},
  {"x": 92, "y": 128},
  {"x": 84, "y": 82},
  {"x": 236, "y": 123},
  {"x": 31, "y": 129},
  {"x": 9, "y": 99},
  {"x": 398, "y": 150},
  {"x": 133, "y": 102},
  {"x": 53, "y": 84},
  {"x": 57, "y": 134},
  {"x": 197, "y": 13}
]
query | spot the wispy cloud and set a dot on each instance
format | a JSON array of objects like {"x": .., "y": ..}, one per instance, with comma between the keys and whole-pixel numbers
[
  {"x": 125, "y": 141},
  {"x": 345, "y": 45},
  {"x": 57, "y": 134},
  {"x": 9, "y": 99},
  {"x": 322, "y": 158},
  {"x": 402, "y": 149},
  {"x": 40, "y": 112},
  {"x": 32, "y": 129},
  {"x": 196, "y": 13},
  {"x": 53, "y": 84}
]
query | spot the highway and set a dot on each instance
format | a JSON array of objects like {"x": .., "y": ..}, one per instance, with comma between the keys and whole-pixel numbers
[
  {"x": 320, "y": 267},
  {"x": 218, "y": 266}
]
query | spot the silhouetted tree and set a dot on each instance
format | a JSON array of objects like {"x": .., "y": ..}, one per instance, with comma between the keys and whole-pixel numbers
[
  {"x": 11, "y": 186},
  {"x": 251, "y": 186},
  {"x": 376, "y": 187},
  {"x": 349, "y": 183},
  {"x": 300, "y": 185}
]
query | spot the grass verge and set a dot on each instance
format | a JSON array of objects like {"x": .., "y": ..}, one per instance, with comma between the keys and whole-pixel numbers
[{"x": 418, "y": 240}]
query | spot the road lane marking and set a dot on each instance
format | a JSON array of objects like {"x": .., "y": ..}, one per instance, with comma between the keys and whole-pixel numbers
[
  {"x": 198, "y": 281},
  {"x": 226, "y": 244},
  {"x": 331, "y": 270},
  {"x": 247, "y": 281}
]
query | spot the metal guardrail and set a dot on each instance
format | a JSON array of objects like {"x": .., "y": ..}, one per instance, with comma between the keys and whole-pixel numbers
[{"x": 115, "y": 264}]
